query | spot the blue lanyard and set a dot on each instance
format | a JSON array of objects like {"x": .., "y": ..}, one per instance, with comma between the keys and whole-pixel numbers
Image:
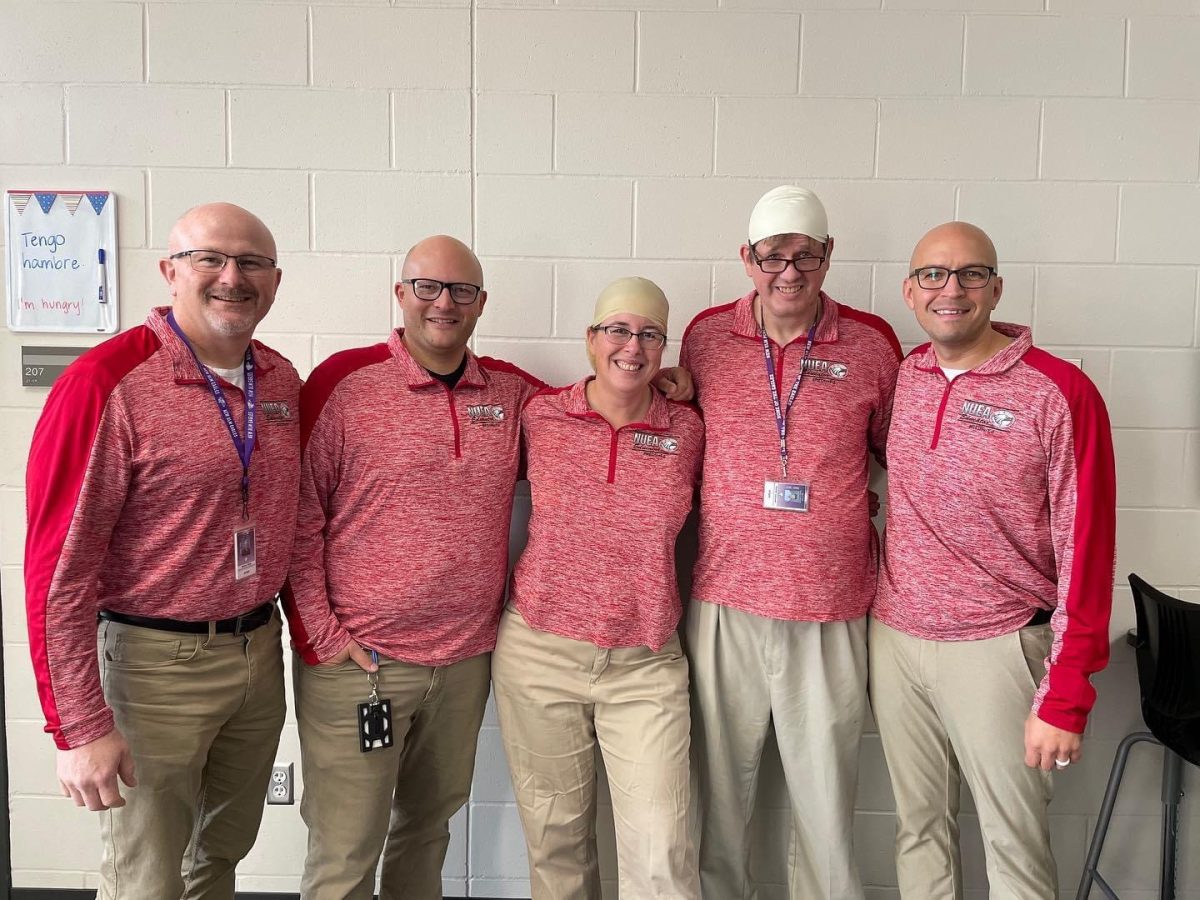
[
  {"x": 245, "y": 449},
  {"x": 781, "y": 413}
]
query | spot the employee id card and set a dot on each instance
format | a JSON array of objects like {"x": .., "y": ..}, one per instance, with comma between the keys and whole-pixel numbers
[
  {"x": 245, "y": 561},
  {"x": 787, "y": 495}
]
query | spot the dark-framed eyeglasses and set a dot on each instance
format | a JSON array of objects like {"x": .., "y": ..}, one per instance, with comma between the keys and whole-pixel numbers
[
  {"x": 214, "y": 261},
  {"x": 933, "y": 277},
  {"x": 620, "y": 335},
  {"x": 461, "y": 292},
  {"x": 774, "y": 265}
]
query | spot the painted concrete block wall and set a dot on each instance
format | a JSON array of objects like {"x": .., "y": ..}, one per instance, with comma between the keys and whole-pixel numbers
[{"x": 575, "y": 141}]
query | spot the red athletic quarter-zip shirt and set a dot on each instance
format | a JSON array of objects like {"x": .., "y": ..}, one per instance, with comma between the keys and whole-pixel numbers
[
  {"x": 133, "y": 495},
  {"x": 1002, "y": 502},
  {"x": 607, "y": 507},
  {"x": 818, "y": 565},
  {"x": 405, "y": 499}
]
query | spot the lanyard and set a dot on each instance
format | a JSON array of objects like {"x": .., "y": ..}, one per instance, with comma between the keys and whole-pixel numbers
[
  {"x": 781, "y": 413},
  {"x": 244, "y": 448}
]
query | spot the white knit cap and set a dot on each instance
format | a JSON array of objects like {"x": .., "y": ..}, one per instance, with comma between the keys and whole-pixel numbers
[{"x": 788, "y": 209}]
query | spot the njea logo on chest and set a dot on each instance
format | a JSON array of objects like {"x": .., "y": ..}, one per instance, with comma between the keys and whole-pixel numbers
[
  {"x": 978, "y": 414},
  {"x": 486, "y": 414},
  {"x": 655, "y": 444}
]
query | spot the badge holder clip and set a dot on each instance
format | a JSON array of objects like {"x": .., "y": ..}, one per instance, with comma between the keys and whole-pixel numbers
[{"x": 374, "y": 716}]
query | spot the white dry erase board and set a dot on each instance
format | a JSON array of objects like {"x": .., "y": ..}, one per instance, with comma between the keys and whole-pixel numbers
[{"x": 62, "y": 261}]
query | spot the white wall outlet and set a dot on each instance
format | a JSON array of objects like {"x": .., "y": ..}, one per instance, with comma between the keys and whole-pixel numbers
[{"x": 280, "y": 790}]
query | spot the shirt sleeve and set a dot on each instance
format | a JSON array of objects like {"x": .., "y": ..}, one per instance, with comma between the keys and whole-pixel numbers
[
  {"x": 80, "y": 464},
  {"x": 1082, "y": 494},
  {"x": 881, "y": 418},
  {"x": 316, "y": 632}
]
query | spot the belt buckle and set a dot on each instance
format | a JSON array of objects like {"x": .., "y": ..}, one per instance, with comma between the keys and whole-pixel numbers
[{"x": 237, "y": 624}]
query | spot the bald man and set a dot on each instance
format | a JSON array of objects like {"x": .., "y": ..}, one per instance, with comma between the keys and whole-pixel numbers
[
  {"x": 411, "y": 450},
  {"x": 161, "y": 488},
  {"x": 994, "y": 600}
]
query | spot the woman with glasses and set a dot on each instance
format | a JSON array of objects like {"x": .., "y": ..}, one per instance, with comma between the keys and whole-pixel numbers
[{"x": 588, "y": 653}]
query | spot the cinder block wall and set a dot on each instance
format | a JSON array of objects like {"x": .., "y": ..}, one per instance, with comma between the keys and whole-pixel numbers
[{"x": 572, "y": 142}]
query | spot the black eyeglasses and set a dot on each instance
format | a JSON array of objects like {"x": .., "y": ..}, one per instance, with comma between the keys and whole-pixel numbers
[
  {"x": 620, "y": 335},
  {"x": 773, "y": 265},
  {"x": 461, "y": 292},
  {"x": 215, "y": 260},
  {"x": 933, "y": 277}
]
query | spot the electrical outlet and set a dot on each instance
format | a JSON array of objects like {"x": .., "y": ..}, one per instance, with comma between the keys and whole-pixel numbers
[{"x": 280, "y": 788}]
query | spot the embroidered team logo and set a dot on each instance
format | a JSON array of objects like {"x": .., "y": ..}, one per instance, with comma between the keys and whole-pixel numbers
[
  {"x": 656, "y": 444},
  {"x": 984, "y": 415},
  {"x": 824, "y": 368},
  {"x": 486, "y": 414},
  {"x": 276, "y": 410}
]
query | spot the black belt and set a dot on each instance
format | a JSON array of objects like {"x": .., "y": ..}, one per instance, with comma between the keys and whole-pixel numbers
[{"x": 256, "y": 618}]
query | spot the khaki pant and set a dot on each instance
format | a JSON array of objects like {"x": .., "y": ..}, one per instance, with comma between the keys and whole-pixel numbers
[
  {"x": 557, "y": 699},
  {"x": 422, "y": 780},
  {"x": 949, "y": 709},
  {"x": 202, "y": 715},
  {"x": 807, "y": 680}
]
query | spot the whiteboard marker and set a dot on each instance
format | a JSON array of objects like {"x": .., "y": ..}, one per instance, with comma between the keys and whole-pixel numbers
[{"x": 100, "y": 258}]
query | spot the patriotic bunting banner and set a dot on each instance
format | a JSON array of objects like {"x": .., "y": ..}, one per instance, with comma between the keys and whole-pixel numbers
[{"x": 72, "y": 201}]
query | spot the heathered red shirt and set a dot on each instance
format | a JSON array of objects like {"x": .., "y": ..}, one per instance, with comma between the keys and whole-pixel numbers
[
  {"x": 818, "y": 565},
  {"x": 405, "y": 499},
  {"x": 134, "y": 493},
  {"x": 607, "y": 507},
  {"x": 1001, "y": 502}
]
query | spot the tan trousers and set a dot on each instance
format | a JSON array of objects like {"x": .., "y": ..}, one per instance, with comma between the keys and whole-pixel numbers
[
  {"x": 807, "y": 680},
  {"x": 557, "y": 699},
  {"x": 202, "y": 715},
  {"x": 422, "y": 780},
  {"x": 953, "y": 709}
]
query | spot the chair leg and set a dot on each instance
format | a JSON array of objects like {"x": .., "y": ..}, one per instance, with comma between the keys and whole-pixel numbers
[
  {"x": 1090, "y": 874},
  {"x": 1172, "y": 791}
]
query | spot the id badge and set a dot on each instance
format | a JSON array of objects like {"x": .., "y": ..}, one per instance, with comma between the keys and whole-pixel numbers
[
  {"x": 788, "y": 495},
  {"x": 245, "y": 561},
  {"x": 374, "y": 725}
]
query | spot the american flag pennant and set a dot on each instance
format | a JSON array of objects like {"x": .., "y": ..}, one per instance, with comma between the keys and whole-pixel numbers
[
  {"x": 20, "y": 200},
  {"x": 45, "y": 201},
  {"x": 72, "y": 201},
  {"x": 98, "y": 199}
]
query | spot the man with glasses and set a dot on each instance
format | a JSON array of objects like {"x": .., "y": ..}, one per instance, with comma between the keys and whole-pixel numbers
[
  {"x": 162, "y": 487},
  {"x": 411, "y": 450},
  {"x": 796, "y": 390},
  {"x": 995, "y": 594}
]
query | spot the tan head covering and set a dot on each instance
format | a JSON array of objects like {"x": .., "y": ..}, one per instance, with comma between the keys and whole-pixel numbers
[
  {"x": 635, "y": 296},
  {"x": 788, "y": 210}
]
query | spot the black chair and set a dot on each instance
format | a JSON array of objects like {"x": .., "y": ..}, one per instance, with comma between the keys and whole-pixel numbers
[{"x": 1168, "y": 664}]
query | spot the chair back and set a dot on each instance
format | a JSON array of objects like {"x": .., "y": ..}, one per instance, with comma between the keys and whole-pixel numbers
[{"x": 1168, "y": 663}]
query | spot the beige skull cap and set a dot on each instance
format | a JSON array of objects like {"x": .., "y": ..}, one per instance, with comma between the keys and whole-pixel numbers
[
  {"x": 788, "y": 209},
  {"x": 633, "y": 295}
]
